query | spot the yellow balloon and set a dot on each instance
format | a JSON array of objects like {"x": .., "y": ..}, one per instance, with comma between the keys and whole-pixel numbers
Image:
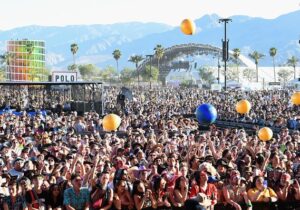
[
  {"x": 296, "y": 98},
  {"x": 265, "y": 134},
  {"x": 243, "y": 106},
  {"x": 111, "y": 122},
  {"x": 188, "y": 27}
]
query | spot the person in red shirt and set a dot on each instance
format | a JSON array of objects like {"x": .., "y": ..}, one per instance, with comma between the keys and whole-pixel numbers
[
  {"x": 171, "y": 173},
  {"x": 160, "y": 193},
  {"x": 201, "y": 186}
]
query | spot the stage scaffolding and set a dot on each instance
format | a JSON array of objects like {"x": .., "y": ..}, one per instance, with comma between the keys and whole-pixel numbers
[{"x": 79, "y": 96}]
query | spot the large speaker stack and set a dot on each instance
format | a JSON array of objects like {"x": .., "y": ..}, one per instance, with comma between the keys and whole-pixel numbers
[{"x": 81, "y": 107}]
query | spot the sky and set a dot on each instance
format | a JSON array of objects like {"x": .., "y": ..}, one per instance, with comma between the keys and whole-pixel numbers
[{"x": 17, "y": 13}]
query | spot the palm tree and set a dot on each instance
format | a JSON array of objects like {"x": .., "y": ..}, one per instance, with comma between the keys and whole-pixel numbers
[
  {"x": 256, "y": 56},
  {"x": 2, "y": 74},
  {"x": 236, "y": 55},
  {"x": 117, "y": 55},
  {"x": 159, "y": 53},
  {"x": 7, "y": 58},
  {"x": 293, "y": 62},
  {"x": 136, "y": 59},
  {"x": 74, "y": 49},
  {"x": 272, "y": 53}
]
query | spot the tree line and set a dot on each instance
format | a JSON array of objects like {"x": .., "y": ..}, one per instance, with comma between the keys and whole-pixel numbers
[
  {"x": 251, "y": 75},
  {"x": 129, "y": 75},
  {"x": 111, "y": 74}
]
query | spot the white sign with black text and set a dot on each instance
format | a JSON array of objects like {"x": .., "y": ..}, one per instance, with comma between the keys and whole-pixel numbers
[{"x": 64, "y": 77}]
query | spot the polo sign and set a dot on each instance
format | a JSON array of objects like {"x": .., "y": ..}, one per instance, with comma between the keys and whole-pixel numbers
[{"x": 64, "y": 77}]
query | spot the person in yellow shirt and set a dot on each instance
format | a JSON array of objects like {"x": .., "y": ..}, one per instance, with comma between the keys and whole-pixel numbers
[{"x": 261, "y": 193}]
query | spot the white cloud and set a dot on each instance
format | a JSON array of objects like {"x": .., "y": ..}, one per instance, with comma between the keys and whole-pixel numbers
[{"x": 16, "y": 13}]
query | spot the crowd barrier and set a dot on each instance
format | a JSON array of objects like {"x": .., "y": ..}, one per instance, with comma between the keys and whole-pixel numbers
[
  {"x": 249, "y": 127},
  {"x": 264, "y": 206},
  {"x": 30, "y": 113},
  {"x": 255, "y": 206}
]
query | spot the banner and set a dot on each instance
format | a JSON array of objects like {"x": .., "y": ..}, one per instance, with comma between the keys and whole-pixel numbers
[{"x": 61, "y": 77}]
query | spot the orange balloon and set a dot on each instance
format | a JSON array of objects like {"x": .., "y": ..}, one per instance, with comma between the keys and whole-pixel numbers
[
  {"x": 111, "y": 122},
  {"x": 296, "y": 98},
  {"x": 188, "y": 27},
  {"x": 265, "y": 134},
  {"x": 243, "y": 107}
]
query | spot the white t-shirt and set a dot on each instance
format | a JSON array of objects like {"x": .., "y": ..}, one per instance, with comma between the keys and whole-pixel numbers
[{"x": 14, "y": 172}]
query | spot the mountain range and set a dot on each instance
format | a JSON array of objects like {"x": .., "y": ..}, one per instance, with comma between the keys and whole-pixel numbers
[{"x": 97, "y": 42}]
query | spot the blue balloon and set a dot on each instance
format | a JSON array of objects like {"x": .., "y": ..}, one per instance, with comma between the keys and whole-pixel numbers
[{"x": 206, "y": 113}]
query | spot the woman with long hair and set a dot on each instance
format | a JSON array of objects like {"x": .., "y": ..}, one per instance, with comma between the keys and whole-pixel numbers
[
  {"x": 160, "y": 194},
  {"x": 55, "y": 198},
  {"x": 122, "y": 199},
  {"x": 142, "y": 197},
  {"x": 180, "y": 192}
]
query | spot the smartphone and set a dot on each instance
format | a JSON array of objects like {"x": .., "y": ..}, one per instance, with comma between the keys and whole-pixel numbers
[{"x": 265, "y": 183}]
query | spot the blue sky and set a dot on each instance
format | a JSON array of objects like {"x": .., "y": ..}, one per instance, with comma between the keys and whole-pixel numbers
[{"x": 16, "y": 13}]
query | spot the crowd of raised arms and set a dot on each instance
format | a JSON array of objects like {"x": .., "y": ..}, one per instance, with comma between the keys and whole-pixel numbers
[{"x": 158, "y": 158}]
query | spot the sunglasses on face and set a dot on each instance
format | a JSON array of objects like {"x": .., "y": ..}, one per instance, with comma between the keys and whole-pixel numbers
[{"x": 23, "y": 183}]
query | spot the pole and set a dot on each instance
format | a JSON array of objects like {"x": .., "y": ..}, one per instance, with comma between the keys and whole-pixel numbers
[
  {"x": 219, "y": 69},
  {"x": 150, "y": 71},
  {"x": 188, "y": 150},
  {"x": 225, "y": 48},
  {"x": 225, "y": 61},
  {"x": 102, "y": 101}
]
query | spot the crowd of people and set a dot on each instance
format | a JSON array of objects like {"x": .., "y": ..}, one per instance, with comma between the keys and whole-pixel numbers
[
  {"x": 158, "y": 158},
  {"x": 270, "y": 107}
]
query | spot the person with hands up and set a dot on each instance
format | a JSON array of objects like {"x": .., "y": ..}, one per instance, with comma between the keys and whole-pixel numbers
[
  {"x": 287, "y": 190},
  {"x": 142, "y": 197},
  {"x": 235, "y": 192},
  {"x": 180, "y": 192}
]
